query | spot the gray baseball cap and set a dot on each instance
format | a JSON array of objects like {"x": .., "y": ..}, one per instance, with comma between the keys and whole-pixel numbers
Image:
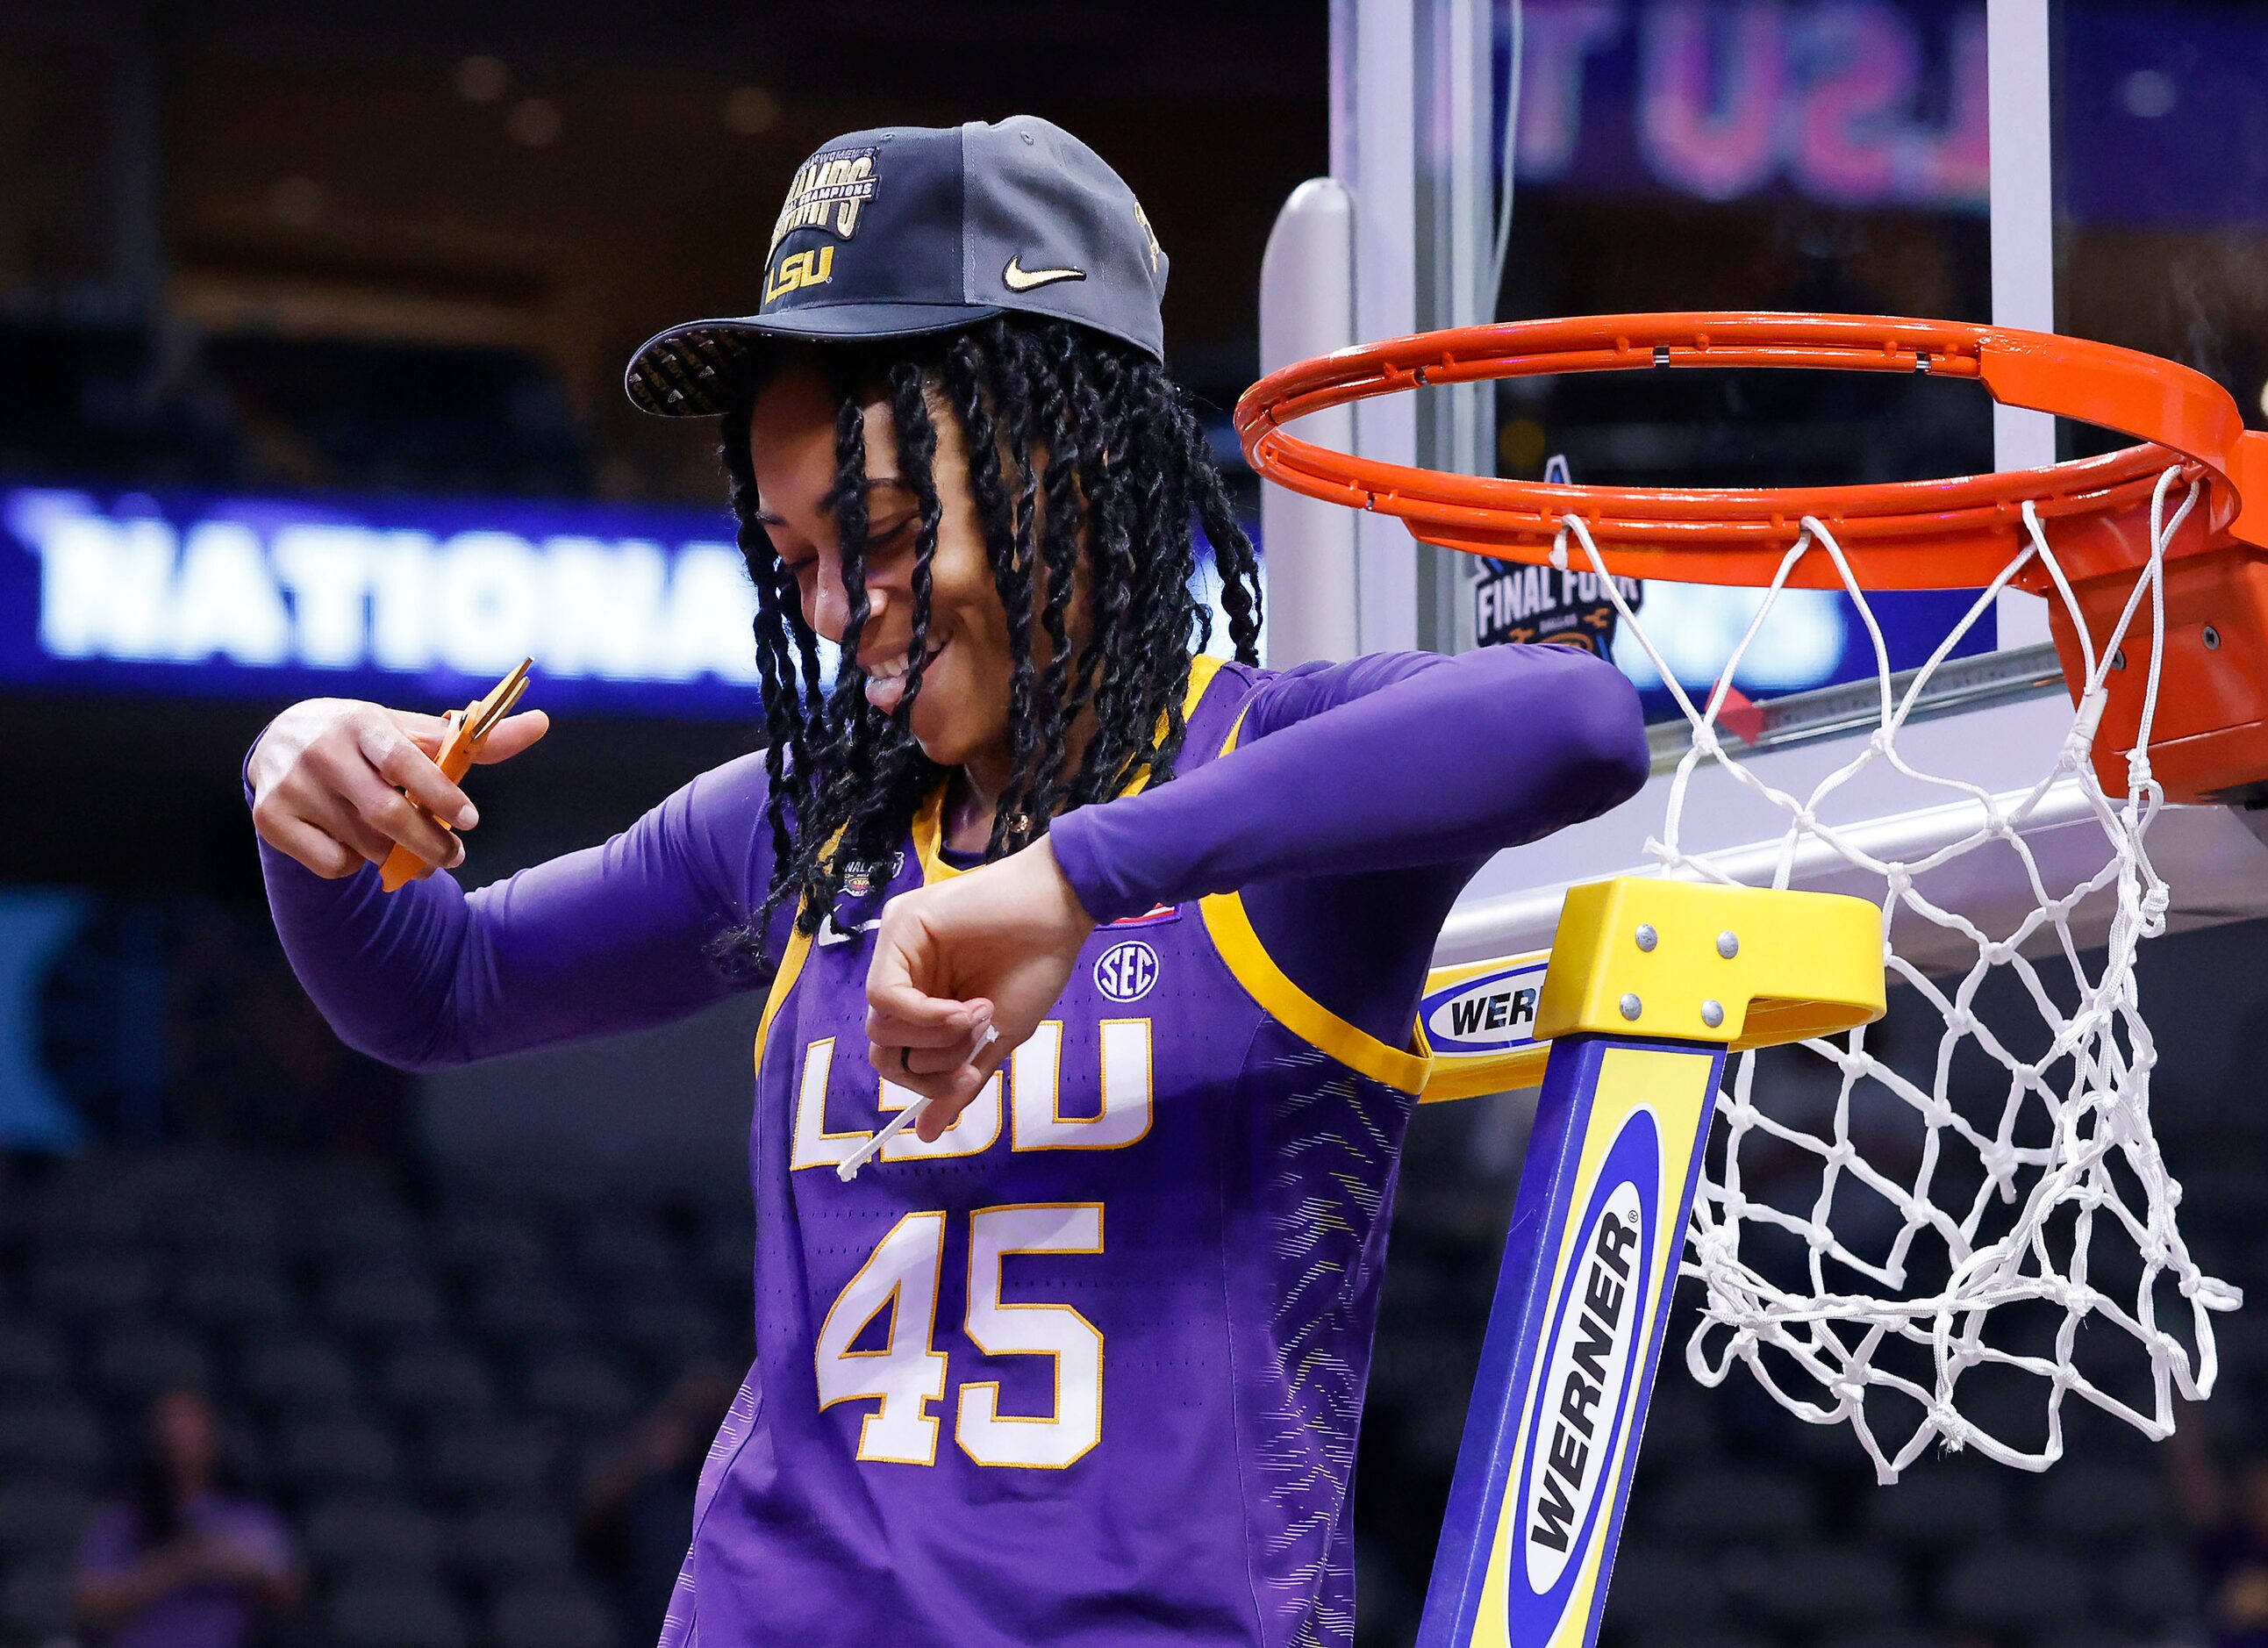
[{"x": 907, "y": 230}]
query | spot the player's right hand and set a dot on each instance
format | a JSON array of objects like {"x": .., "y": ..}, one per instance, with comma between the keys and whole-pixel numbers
[
  {"x": 329, "y": 778},
  {"x": 990, "y": 950}
]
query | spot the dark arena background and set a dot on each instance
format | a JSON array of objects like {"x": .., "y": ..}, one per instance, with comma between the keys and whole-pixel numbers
[{"x": 290, "y": 287}]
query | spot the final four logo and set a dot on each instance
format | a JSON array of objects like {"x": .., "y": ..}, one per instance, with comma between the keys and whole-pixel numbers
[
  {"x": 860, "y": 875},
  {"x": 1568, "y": 607}
]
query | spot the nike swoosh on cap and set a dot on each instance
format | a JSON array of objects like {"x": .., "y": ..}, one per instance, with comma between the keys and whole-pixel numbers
[{"x": 1018, "y": 278}]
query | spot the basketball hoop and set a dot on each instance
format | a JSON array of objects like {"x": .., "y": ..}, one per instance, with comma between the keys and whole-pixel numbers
[
  {"x": 1971, "y": 1246},
  {"x": 1968, "y": 532}
]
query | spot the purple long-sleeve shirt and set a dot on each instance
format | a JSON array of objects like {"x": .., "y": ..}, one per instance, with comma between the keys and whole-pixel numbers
[
  {"x": 1088, "y": 1367},
  {"x": 1360, "y": 798}
]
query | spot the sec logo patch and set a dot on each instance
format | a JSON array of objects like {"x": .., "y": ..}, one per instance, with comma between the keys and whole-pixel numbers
[{"x": 1126, "y": 971}]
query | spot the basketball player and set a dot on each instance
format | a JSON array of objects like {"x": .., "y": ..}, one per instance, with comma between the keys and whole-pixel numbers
[{"x": 1080, "y": 1358}]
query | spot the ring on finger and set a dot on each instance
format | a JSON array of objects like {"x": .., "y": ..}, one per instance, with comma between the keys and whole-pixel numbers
[{"x": 906, "y": 1060}]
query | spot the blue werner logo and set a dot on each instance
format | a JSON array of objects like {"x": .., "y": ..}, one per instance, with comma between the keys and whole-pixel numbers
[
  {"x": 1488, "y": 1013},
  {"x": 1126, "y": 971},
  {"x": 1580, "y": 1407}
]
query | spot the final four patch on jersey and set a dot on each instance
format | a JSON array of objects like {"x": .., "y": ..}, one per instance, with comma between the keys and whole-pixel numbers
[{"x": 861, "y": 876}]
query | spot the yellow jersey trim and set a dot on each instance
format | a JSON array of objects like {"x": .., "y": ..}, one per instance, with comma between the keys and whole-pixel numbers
[
  {"x": 791, "y": 968},
  {"x": 929, "y": 839},
  {"x": 929, "y": 822},
  {"x": 1402, "y": 1069}
]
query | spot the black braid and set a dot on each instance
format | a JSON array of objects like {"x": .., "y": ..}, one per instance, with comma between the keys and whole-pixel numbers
[
  {"x": 1088, "y": 472},
  {"x": 1059, "y": 555},
  {"x": 783, "y": 704},
  {"x": 1017, "y": 573},
  {"x": 1111, "y": 517},
  {"x": 967, "y": 374}
]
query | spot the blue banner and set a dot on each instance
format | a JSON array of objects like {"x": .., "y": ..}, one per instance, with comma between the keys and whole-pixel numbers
[{"x": 421, "y": 602}]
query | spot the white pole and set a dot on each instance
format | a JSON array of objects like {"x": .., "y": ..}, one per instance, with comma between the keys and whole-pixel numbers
[
  {"x": 1306, "y": 309},
  {"x": 1463, "y": 162},
  {"x": 1374, "y": 153},
  {"x": 2022, "y": 135}
]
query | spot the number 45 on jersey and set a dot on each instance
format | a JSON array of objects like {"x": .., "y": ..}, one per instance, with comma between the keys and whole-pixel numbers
[{"x": 908, "y": 1372}]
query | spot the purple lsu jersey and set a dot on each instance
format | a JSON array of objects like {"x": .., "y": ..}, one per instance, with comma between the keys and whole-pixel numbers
[{"x": 1088, "y": 1368}]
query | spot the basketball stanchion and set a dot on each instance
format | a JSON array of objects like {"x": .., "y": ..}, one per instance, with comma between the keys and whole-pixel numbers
[
  {"x": 1901, "y": 1254},
  {"x": 1650, "y": 983}
]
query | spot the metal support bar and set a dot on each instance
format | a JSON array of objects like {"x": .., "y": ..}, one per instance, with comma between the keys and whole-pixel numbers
[
  {"x": 1582, "y": 1301},
  {"x": 1573, "y": 1337}
]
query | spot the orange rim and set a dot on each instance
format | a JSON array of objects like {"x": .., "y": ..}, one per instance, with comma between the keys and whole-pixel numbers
[{"x": 1956, "y": 533}]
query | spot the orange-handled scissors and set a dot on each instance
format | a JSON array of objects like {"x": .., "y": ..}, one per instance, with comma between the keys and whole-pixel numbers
[{"x": 469, "y": 729}]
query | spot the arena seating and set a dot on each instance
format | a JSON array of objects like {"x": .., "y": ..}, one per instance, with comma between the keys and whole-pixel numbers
[
  {"x": 421, "y": 1377},
  {"x": 111, "y": 400}
]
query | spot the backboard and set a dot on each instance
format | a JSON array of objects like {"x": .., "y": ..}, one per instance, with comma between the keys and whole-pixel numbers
[{"x": 2044, "y": 164}]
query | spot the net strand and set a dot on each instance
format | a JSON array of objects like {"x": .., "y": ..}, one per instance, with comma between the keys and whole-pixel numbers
[{"x": 1991, "y": 1217}]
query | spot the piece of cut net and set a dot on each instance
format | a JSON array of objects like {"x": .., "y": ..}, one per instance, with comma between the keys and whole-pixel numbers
[{"x": 1942, "y": 1236}]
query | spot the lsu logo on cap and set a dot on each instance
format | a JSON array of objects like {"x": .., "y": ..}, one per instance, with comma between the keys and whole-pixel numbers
[
  {"x": 829, "y": 194},
  {"x": 799, "y": 270}
]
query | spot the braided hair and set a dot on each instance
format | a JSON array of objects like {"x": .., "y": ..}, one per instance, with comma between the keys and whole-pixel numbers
[{"x": 1087, "y": 468}]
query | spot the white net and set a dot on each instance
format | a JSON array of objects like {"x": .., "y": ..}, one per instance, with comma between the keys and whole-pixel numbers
[{"x": 1939, "y": 1237}]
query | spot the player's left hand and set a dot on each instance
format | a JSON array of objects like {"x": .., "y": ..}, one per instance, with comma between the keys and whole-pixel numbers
[{"x": 990, "y": 950}]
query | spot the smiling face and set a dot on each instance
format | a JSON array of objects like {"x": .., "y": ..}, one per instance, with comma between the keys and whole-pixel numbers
[
  {"x": 961, "y": 712},
  {"x": 1041, "y": 707}
]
